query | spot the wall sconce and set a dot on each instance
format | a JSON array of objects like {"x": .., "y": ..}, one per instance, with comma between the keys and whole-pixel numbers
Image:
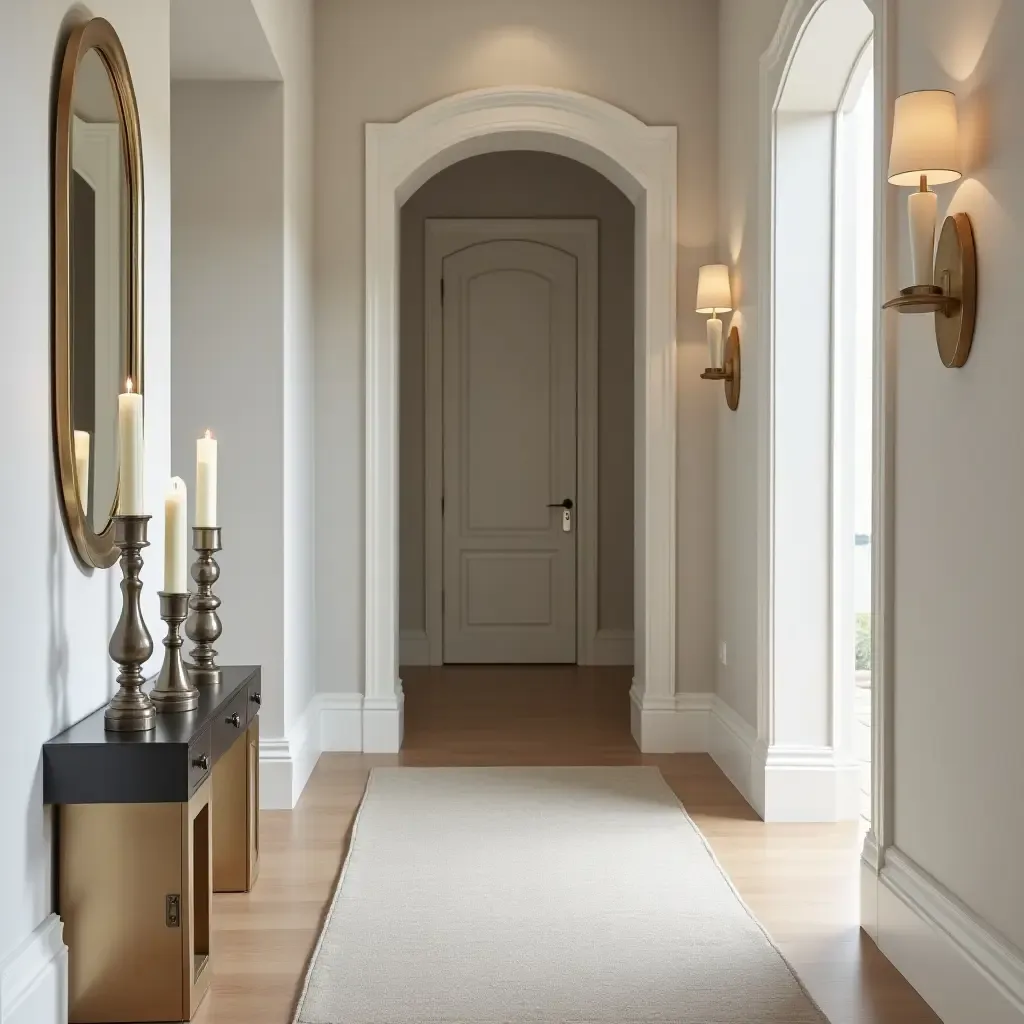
[
  {"x": 714, "y": 296},
  {"x": 924, "y": 149}
]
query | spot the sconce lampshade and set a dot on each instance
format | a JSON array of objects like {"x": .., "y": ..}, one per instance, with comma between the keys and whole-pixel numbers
[
  {"x": 924, "y": 139},
  {"x": 713, "y": 291}
]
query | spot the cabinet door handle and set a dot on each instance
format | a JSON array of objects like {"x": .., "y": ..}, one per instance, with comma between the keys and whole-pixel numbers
[
  {"x": 256, "y": 699},
  {"x": 202, "y": 761},
  {"x": 233, "y": 720}
]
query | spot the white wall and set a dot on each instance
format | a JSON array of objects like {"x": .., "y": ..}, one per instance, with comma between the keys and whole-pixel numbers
[
  {"x": 378, "y": 60},
  {"x": 228, "y": 315},
  {"x": 244, "y": 346},
  {"x": 524, "y": 184},
  {"x": 288, "y": 25},
  {"x": 58, "y": 620},
  {"x": 745, "y": 31}
]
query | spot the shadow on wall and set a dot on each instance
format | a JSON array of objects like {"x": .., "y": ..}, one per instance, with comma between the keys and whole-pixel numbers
[{"x": 57, "y": 645}]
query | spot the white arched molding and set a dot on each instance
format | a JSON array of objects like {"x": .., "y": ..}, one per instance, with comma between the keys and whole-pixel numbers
[
  {"x": 807, "y": 783},
  {"x": 641, "y": 161}
]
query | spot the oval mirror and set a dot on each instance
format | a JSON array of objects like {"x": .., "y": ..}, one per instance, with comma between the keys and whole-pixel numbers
[{"x": 97, "y": 277}]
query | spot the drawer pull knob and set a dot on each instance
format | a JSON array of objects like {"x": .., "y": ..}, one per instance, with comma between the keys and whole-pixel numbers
[
  {"x": 233, "y": 720},
  {"x": 256, "y": 698},
  {"x": 202, "y": 761}
]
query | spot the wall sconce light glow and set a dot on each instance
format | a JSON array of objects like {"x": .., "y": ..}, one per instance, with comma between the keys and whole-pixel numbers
[
  {"x": 925, "y": 148},
  {"x": 714, "y": 296}
]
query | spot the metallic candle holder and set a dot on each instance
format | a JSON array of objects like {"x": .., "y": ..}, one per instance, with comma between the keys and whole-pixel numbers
[
  {"x": 173, "y": 690},
  {"x": 203, "y": 626},
  {"x": 131, "y": 646}
]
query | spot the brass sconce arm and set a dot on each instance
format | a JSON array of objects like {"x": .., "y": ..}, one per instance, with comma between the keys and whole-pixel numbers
[
  {"x": 712, "y": 374},
  {"x": 925, "y": 298}
]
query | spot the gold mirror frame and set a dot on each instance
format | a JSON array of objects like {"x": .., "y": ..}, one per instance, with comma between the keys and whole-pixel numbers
[{"x": 92, "y": 549}]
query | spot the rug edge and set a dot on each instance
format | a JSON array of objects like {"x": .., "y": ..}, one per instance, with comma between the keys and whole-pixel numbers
[
  {"x": 815, "y": 1005},
  {"x": 326, "y": 922}
]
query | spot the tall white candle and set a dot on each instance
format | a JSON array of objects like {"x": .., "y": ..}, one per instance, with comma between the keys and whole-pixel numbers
[
  {"x": 716, "y": 350},
  {"x": 206, "y": 481},
  {"x": 83, "y": 444},
  {"x": 130, "y": 444},
  {"x": 175, "y": 537}
]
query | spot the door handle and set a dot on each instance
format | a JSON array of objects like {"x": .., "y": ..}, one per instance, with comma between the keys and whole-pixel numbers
[{"x": 564, "y": 503}]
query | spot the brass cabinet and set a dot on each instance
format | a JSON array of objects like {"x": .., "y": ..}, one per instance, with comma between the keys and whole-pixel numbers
[
  {"x": 135, "y": 897},
  {"x": 149, "y": 826}
]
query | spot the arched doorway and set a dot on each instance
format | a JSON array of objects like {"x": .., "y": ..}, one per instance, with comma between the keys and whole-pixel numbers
[{"x": 641, "y": 161}]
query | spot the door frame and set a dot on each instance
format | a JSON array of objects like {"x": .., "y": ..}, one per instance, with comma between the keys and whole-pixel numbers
[
  {"x": 641, "y": 160},
  {"x": 579, "y": 238}
]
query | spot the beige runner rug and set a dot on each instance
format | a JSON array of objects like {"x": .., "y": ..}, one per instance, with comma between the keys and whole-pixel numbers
[{"x": 540, "y": 895}]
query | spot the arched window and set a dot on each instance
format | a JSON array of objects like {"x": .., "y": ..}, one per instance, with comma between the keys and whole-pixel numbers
[{"x": 822, "y": 307}]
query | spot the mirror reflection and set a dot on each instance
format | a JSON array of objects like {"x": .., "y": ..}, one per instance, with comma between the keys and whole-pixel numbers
[{"x": 99, "y": 287}]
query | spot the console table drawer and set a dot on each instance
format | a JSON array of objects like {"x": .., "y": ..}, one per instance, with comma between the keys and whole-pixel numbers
[
  {"x": 255, "y": 700},
  {"x": 200, "y": 760},
  {"x": 230, "y": 723}
]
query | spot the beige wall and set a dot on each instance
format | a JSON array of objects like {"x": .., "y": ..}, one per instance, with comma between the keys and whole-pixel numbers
[
  {"x": 59, "y": 619},
  {"x": 538, "y": 185},
  {"x": 378, "y": 60}
]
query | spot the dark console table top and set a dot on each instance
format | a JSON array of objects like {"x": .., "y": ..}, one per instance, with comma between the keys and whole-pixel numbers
[{"x": 87, "y": 764}]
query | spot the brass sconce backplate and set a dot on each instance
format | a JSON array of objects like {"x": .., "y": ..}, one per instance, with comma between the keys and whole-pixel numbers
[
  {"x": 953, "y": 299},
  {"x": 956, "y": 272},
  {"x": 730, "y": 373}
]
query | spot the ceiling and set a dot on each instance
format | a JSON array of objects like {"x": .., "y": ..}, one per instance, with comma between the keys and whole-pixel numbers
[{"x": 220, "y": 40}]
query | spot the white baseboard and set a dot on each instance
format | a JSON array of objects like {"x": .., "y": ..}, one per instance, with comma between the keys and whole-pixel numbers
[
  {"x": 962, "y": 968},
  {"x": 609, "y": 647},
  {"x": 732, "y": 744},
  {"x": 341, "y": 721},
  {"x": 806, "y": 784},
  {"x": 670, "y": 725},
  {"x": 286, "y": 762},
  {"x": 869, "y": 887},
  {"x": 34, "y": 978},
  {"x": 781, "y": 784},
  {"x": 384, "y": 722},
  {"x": 413, "y": 647},
  {"x": 612, "y": 647},
  {"x": 331, "y": 722}
]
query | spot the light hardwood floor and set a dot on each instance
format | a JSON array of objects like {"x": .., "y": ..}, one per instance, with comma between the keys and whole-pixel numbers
[{"x": 800, "y": 880}]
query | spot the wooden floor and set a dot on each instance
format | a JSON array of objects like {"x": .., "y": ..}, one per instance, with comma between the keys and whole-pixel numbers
[{"x": 800, "y": 880}]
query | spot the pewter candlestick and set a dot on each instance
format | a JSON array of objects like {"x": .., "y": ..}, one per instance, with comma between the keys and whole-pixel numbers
[
  {"x": 173, "y": 690},
  {"x": 203, "y": 626},
  {"x": 131, "y": 646}
]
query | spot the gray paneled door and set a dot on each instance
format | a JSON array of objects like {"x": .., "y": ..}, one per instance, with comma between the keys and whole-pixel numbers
[{"x": 509, "y": 409}]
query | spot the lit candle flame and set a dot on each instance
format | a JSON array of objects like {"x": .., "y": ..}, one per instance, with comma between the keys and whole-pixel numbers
[
  {"x": 208, "y": 435},
  {"x": 128, "y": 386}
]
